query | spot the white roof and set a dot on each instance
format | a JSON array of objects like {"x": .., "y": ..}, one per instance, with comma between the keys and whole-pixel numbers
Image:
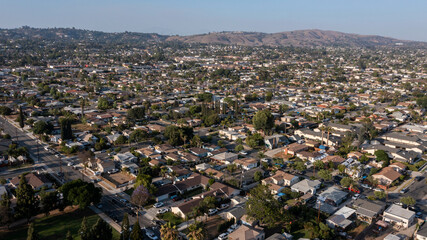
[{"x": 399, "y": 211}]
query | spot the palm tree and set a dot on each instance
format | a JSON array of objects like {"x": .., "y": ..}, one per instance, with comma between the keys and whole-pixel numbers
[
  {"x": 197, "y": 231},
  {"x": 330, "y": 130},
  {"x": 322, "y": 129},
  {"x": 169, "y": 232}
]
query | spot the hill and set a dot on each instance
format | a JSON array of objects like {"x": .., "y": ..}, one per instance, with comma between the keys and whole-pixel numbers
[{"x": 299, "y": 38}]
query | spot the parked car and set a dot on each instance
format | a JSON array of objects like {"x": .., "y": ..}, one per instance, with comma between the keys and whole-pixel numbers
[
  {"x": 150, "y": 234},
  {"x": 159, "y": 204},
  {"x": 163, "y": 210},
  {"x": 212, "y": 211},
  {"x": 356, "y": 196},
  {"x": 224, "y": 206},
  {"x": 123, "y": 200},
  {"x": 223, "y": 236}
]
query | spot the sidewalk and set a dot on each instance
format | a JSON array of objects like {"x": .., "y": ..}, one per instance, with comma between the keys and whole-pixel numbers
[
  {"x": 106, "y": 218},
  {"x": 407, "y": 183}
]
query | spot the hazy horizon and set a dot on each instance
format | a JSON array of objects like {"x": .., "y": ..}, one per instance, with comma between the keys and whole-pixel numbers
[{"x": 395, "y": 19}]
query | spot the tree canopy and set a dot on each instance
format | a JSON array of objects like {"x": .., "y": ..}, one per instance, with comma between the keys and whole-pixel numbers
[{"x": 263, "y": 120}]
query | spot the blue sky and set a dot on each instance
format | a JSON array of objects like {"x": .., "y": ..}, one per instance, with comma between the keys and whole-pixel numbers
[{"x": 404, "y": 19}]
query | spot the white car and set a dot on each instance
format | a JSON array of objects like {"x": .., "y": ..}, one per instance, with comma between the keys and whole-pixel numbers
[
  {"x": 163, "y": 210},
  {"x": 150, "y": 234},
  {"x": 223, "y": 236},
  {"x": 230, "y": 230},
  {"x": 234, "y": 226},
  {"x": 159, "y": 204},
  {"x": 356, "y": 196},
  {"x": 212, "y": 211},
  {"x": 224, "y": 206}
]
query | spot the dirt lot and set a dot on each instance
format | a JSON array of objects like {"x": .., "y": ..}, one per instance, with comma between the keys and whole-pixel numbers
[{"x": 212, "y": 226}]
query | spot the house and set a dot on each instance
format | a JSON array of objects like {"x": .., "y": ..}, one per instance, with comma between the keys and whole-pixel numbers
[
  {"x": 185, "y": 209},
  {"x": 199, "y": 152},
  {"x": 333, "y": 196},
  {"x": 386, "y": 176},
  {"x": 306, "y": 186},
  {"x": 401, "y": 138},
  {"x": 405, "y": 156},
  {"x": 165, "y": 191},
  {"x": 113, "y": 137},
  {"x": 218, "y": 175},
  {"x": 399, "y": 216},
  {"x": 295, "y": 148},
  {"x": 235, "y": 213},
  {"x": 335, "y": 159},
  {"x": 246, "y": 163},
  {"x": 225, "y": 157},
  {"x": 341, "y": 218},
  {"x": 281, "y": 178},
  {"x": 367, "y": 210},
  {"x": 179, "y": 173},
  {"x": 125, "y": 157},
  {"x": 202, "y": 167},
  {"x": 194, "y": 181},
  {"x": 278, "y": 236},
  {"x": 105, "y": 166},
  {"x": 422, "y": 233},
  {"x": 35, "y": 180},
  {"x": 275, "y": 141},
  {"x": 247, "y": 233},
  {"x": 398, "y": 167}
]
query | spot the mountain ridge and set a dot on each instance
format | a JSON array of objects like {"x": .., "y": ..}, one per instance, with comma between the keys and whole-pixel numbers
[{"x": 296, "y": 38}]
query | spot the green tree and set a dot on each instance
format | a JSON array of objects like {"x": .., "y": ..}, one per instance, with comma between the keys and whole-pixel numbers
[
  {"x": 268, "y": 96},
  {"x": 382, "y": 156},
  {"x": 103, "y": 103},
  {"x": 346, "y": 182},
  {"x": 84, "y": 230},
  {"x": 238, "y": 148},
  {"x": 169, "y": 232},
  {"x": 300, "y": 166},
  {"x": 66, "y": 130},
  {"x": 231, "y": 168},
  {"x": 325, "y": 175},
  {"x": 42, "y": 127},
  {"x": 125, "y": 234},
  {"x": 69, "y": 236},
  {"x": 120, "y": 140},
  {"x": 101, "y": 231},
  {"x": 5, "y": 110},
  {"x": 257, "y": 176},
  {"x": 32, "y": 234},
  {"x": 136, "y": 233},
  {"x": 410, "y": 201},
  {"x": 341, "y": 168},
  {"x": 21, "y": 117},
  {"x": 5, "y": 210},
  {"x": 78, "y": 192},
  {"x": 380, "y": 194},
  {"x": 319, "y": 164},
  {"x": 255, "y": 140},
  {"x": 48, "y": 201},
  {"x": 263, "y": 120},
  {"x": 262, "y": 206},
  {"x": 136, "y": 113},
  {"x": 26, "y": 202},
  {"x": 197, "y": 231}
]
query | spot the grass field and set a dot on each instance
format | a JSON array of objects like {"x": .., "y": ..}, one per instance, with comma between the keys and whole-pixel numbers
[
  {"x": 56, "y": 227},
  {"x": 172, "y": 218}
]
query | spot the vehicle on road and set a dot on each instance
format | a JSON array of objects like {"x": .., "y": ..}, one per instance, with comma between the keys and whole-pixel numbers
[
  {"x": 70, "y": 164},
  {"x": 99, "y": 206},
  {"x": 159, "y": 204},
  {"x": 123, "y": 200},
  {"x": 404, "y": 190},
  {"x": 356, "y": 196}
]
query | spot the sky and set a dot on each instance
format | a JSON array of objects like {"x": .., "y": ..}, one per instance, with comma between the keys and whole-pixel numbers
[{"x": 403, "y": 19}]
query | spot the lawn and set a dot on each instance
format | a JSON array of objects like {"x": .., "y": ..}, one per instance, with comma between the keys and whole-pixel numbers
[
  {"x": 193, "y": 192},
  {"x": 56, "y": 226},
  {"x": 172, "y": 218}
]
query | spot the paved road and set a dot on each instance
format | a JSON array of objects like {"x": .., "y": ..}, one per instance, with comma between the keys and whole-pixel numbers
[{"x": 46, "y": 160}]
